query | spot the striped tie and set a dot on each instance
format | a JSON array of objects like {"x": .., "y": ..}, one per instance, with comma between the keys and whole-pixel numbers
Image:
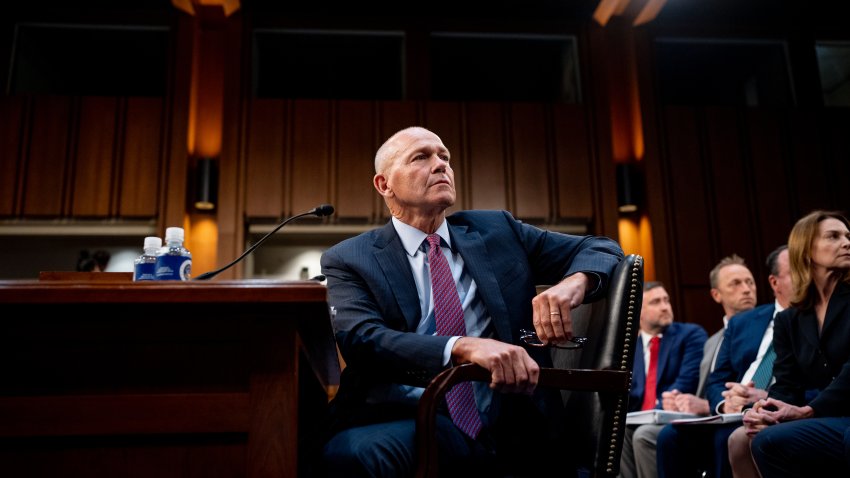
[
  {"x": 764, "y": 372},
  {"x": 448, "y": 314}
]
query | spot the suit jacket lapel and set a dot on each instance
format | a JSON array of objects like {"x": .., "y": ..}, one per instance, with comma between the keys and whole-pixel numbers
[
  {"x": 389, "y": 253},
  {"x": 664, "y": 349},
  {"x": 477, "y": 262},
  {"x": 836, "y": 307}
]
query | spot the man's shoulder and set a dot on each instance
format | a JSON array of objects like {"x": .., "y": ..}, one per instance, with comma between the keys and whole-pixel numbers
[
  {"x": 475, "y": 215},
  {"x": 686, "y": 328},
  {"x": 763, "y": 310}
]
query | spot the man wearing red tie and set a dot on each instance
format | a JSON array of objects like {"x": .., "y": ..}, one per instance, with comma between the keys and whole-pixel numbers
[{"x": 668, "y": 359}]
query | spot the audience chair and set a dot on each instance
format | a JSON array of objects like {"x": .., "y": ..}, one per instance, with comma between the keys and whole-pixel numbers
[{"x": 594, "y": 380}]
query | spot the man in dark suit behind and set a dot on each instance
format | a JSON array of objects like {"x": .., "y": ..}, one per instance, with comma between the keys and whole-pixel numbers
[
  {"x": 384, "y": 319},
  {"x": 732, "y": 383},
  {"x": 678, "y": 367}
]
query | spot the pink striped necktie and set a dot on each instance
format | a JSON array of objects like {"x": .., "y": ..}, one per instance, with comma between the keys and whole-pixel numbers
[{"x": 448, "y": 314}]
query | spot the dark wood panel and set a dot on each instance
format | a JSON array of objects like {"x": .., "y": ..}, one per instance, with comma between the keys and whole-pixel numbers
[
  {"x": 698, "y": 307},
  {"x": 689, "y": 210},
  {"x": 274, "y": 389},
  {"x": 395, "y": 116},
  {"x": 94, "y": 158},
  {"x": 11, "y": 128},
  {"x": 837, "y": 126},
  {"x": 108, "y": 457},
  {"x": 735, "y": 232},
  {"x": 128, "y": 413},
  {"x": 311, "y": 152},
  {"x": 486, "y": 170},
  {"x": 228, "y": 369},
  {"x": 770, "y": 191},
  {"x": 812, "y": 175},
  {"x": 264, "y": 159},
  {"x": 573, "y": 167},
  {"x": 142, "y": 163},
  {"x": 355, "y": 161},
  {"x": 444, "y": 119},
  {"x": 47, "y": 163},
  {"x": 531, "y": 185}
]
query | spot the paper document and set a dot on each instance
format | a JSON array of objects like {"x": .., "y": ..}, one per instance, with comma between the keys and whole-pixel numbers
[
  {"x": 712, "y": 419},
  {"x": 656, "y": 416}
]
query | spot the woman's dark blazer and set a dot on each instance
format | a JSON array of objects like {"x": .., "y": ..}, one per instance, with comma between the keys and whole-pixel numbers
[{"x": 807, "y": 359}]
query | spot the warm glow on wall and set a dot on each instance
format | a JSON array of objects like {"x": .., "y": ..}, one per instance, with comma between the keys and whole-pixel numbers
[
  {"x": 636, "y": 238},
  {"x": 202, "y": 242}
]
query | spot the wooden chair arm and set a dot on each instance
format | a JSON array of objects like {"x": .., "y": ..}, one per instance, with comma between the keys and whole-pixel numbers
[{"x": 613, "y": 381}]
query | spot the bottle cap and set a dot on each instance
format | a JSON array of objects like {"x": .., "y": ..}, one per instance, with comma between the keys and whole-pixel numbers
[
  {"x": 153, "y": 242},
  {"x": 174, "y": 234}
]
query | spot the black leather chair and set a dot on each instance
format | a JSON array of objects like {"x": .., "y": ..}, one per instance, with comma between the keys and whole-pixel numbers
[{"x": 594, "y": 380}]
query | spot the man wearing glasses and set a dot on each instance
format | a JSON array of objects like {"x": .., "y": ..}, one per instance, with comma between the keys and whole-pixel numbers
[{"x": 427, "y": 291}]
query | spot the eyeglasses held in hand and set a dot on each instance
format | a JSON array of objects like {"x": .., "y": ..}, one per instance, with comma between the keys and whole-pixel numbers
[{"x": 530, "y": 338}]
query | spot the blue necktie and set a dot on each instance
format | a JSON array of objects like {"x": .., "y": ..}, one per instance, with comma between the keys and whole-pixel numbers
[{"x": 764, "y": 372}]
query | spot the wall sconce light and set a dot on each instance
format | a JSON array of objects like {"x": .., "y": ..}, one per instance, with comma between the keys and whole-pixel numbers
[
  {"x": 206, "y": 184},
  {"x": 629, "y": 188}
]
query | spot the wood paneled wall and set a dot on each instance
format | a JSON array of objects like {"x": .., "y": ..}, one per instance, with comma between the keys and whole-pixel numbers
[
  {"x": 80, "y": 157},
  {"x": 735, "y": 180},
  {"x": 533, "y": 159}
]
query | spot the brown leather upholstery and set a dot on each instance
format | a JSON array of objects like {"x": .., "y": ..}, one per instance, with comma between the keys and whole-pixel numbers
[{"x": 595, "y": 379}]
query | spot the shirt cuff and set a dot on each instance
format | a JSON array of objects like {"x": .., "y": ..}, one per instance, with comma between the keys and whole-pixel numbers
[{"x": 447, "y": 351}]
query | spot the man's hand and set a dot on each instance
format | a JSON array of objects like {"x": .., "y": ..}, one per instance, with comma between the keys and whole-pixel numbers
[
  {"x": 552, "y": 320},
  {"x": 668, "y": 400},
  {"x": 512, "y": 370},
  {"x": 677, "y": 401},
  {"x": 737, "y": 395},
  {"x": 690, "y": 403}
]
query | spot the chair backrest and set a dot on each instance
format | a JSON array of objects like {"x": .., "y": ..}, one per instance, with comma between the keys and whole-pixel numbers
[
  {"x": 598, "y": 378},
  {"x": 598, "y": 418}
]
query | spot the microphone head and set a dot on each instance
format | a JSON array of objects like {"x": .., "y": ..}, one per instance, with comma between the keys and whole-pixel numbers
[{"x": 323, "y": 210}]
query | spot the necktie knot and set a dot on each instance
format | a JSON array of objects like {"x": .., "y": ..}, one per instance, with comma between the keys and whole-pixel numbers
[{"x": 433, "y": 241}]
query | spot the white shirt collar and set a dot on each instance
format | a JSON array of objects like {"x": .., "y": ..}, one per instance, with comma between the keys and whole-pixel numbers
[
  {"x": 777, "y": 308},
  {"x": 411, "y": 238}
]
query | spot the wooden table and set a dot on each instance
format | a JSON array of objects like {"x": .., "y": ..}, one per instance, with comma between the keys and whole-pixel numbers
[{"x": 106, "y": 378}]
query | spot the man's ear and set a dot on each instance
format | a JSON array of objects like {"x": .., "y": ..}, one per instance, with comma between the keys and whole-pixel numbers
[
  {"x": 715, "y": 294},
  {"x": 381, "y": 185}
]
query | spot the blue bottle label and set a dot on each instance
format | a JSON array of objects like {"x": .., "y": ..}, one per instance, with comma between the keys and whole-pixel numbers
[
  {"x": 169, "y": 267},
  {"x": 145, "y": 271}
]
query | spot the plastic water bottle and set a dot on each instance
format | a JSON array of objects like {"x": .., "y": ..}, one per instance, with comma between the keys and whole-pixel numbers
[
  {"x": 144, "y": 267},
  {"x": 173, "y": 262}
]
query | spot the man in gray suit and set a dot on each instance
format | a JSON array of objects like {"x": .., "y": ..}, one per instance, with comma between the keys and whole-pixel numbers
[{"x": 733, "y": 287}]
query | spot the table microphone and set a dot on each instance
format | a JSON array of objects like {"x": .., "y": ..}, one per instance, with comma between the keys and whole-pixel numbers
[{"x": 322, "y": 210}]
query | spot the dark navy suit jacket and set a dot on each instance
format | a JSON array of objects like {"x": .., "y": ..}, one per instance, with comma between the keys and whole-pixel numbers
[
  {"x": 739, "y": 348},
  {"x": 679, "y": 356},
  {"x": 371, "y": 287}
]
